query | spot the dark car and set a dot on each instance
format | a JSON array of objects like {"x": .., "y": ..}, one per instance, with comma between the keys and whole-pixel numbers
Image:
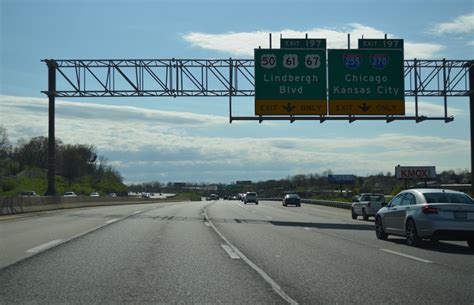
[{"x": 291, "y": 199}]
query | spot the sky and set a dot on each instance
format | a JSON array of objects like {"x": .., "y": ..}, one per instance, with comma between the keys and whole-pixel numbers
[{"x": 190, "y": 139}]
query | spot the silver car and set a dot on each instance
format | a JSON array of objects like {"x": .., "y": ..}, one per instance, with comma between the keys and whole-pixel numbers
[
  {"x": 250, "y": 197},
  {"x": 435, "y": 214}
]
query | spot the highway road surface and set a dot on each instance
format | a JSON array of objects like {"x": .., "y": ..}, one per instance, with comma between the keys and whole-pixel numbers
[{"x": 222, "y": 252}]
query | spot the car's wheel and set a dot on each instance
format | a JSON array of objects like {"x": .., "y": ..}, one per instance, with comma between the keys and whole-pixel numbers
[
  {"x": 411, "y": 234},
  {"x": 364, "y": 215},
  {"x": 256, "y": 202},
  {"x": 379, "y": 231},
  {"x": 298, "y": 205},
  {"x": 245, "y": 202},
  {"x": 353, "y": 214},
  {"x": 470, "y": 243}
]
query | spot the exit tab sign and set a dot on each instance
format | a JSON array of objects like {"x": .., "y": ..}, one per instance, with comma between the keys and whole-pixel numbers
[
  {"x": 381, "y": 44},
  {"x": 297, "y": 43}
]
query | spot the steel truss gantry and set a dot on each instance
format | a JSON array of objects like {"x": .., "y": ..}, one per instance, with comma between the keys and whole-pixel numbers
[{"x": 234, "y": 78}]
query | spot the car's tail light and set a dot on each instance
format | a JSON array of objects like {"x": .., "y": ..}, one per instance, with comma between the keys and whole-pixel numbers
[{"x": 426, "y": 209}]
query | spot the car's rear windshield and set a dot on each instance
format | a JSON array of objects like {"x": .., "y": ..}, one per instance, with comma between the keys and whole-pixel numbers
[
  {"x": 252, "y": 194},
  {"x": 447, "y": 198},
  {"x": 373, "y": 198}
]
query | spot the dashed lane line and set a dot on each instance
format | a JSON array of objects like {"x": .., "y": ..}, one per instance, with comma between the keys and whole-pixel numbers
[
  {"x": 44, "y": 246},
  {"x": 230, "y": 252},
  {"x": 408, "y": 256},
  {"x": 252, "y": 265}
]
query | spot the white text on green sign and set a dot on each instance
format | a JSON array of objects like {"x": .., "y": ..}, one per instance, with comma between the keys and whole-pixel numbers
[
  {"x": 297, "y": 43},
  {"x": 381, "y": 44},
  {"x": 290, "y": 74}
]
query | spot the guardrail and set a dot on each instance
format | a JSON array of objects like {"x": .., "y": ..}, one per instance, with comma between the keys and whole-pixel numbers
[
  {"x": 329, "y": 203},
  {"x": 16, "y": 205}
]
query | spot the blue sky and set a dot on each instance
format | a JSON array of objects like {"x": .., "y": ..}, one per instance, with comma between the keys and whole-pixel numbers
[{"x": 190, "y": 139}]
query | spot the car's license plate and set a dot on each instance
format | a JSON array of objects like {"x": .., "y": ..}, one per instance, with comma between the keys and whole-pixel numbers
[{"x": 460, "y": 215}]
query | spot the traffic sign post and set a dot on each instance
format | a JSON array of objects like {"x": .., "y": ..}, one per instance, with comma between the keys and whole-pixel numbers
[
  {"x": 367, "y": 82},
  {"x": 290, "y": 82}
]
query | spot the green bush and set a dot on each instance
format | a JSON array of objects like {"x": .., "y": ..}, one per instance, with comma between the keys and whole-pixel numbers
[{"x": 9, "y": 184}]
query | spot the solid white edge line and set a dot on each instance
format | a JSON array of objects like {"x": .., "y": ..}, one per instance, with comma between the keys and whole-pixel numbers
[
  {"x": 230, "y": 252},
  {"x": 262, "y": 273},
  {"x": 207, "y": 224},
  {"x": 408, "y": 256},
  {"x": 136, "y": 212},
  {"x": 307, "y": 229},
  {"x": 44, "y": 246}
]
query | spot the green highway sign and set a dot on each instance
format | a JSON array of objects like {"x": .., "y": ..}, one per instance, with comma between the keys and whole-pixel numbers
[
  {"x": 366, "y": 82},
  {"x": 381, "y": 44},
  {"x": 290, "y": 81},
  {"x": 297, "y": 43}
]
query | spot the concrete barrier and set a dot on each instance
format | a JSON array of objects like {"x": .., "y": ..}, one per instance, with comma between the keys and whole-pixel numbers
[
  {"x": 15, "y": 205},
  {"x": 329, "y": 203}
]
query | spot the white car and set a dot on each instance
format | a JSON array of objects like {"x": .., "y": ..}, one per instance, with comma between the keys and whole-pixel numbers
[
  {"x": 69, "y": 194},
  {"x": 367, "y": 204},
  {"x": 95, "y": 194}
]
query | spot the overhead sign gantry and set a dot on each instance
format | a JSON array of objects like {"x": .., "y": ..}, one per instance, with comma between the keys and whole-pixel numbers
[{"x": 230, "y": 78}]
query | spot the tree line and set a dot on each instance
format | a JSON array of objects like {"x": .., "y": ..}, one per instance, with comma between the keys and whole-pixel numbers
[
  {"x": 314, "y": 185},
  {"x": 75, "y": 163}
]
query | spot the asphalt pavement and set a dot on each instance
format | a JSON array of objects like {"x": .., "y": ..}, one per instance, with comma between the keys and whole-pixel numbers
[{"x": 222, "y": 252}]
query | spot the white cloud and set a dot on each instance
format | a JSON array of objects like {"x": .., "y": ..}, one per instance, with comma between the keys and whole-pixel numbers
[
  {"x": 243, "y": 43},
  {"x": 430, "y": 109},
  {"x": 143, "y": 146},
  {"x": 460, "y": 25}
]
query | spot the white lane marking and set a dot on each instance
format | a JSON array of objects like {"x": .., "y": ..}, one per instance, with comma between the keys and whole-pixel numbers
[
  {"x": 44, "y": 246},
  {"x": 262, "y": 273},
  {"x": 269, "y": 217},
  {"x": 207, "y": 224},
  {"x": 111, "y": 221},
  {"x": 308, "y": 229},
  {"x": 230, "y": 252},
  {"x": 136, "y": 212},
  {"x": 408, "y": 256},
  {"x": 239, "y": 204}
]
